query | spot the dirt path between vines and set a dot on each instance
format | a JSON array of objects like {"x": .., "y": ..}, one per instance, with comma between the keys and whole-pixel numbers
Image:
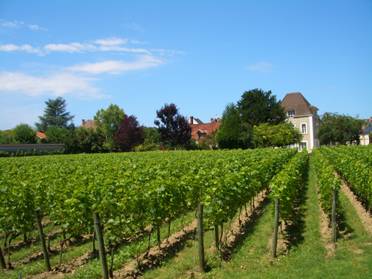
[
  {"x": 32, "y": 241},
  {"x": 60, "y": 270},
  {"x": 326, "y": 232},
  {"x": 156, "y": 254},
  {"x": 363, "y": 215},
  {"x": 240, "y": 225}
]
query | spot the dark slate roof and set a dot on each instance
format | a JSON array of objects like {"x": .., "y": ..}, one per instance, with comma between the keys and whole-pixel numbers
[{"x": 297, "y": 102}]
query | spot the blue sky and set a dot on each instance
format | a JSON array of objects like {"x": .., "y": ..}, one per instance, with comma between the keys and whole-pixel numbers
[{"x": 200, "y": 55}]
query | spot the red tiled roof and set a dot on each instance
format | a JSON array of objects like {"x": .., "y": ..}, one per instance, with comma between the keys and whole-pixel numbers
[
  {"x": 89, "y": 124},
  {"x": 205, "y": 128},
  {"x": 41, "y": 135}
]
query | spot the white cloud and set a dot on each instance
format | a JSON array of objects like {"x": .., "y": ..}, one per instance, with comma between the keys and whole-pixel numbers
[
  {"x": 10, "y": 24},
  {"x": 124, "y": 49},
  {"x": 55, "y": 85},
  {"x": 102, "y": 45},
  {"x": 117, "y": 66},
  {"x": 15, "y": 24},
  {"x": 70, "y": 47},
  {"x": 114, "y": 41},
  {"x": 20, "y": 48},
  {"x": 261, "y": 67},
  {"x": 35, "y": 27}
]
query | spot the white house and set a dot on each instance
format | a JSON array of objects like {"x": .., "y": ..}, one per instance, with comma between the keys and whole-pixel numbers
[
  {"x": 364, "y": 136},
  {"x": 304, "y": 117}
]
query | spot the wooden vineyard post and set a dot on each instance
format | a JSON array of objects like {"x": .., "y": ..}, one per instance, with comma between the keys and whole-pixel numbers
[
  {"x": 42, "y": 240},
  {"x": 201, "y": 238},
  {"x": 158, "y": 238},
  {"x": 216, "y": 237},
  {"x": 2, "y": 259},
  {"x": 101, "y": 245},
  {"x": 333, "y": 221},
  {"x": 276, "y": 225}
]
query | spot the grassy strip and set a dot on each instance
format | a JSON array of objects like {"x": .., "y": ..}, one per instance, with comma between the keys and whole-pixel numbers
[
  {"x": 306, "y": 260},
  {"x": 126, "y": 253},
  {"x": 185, "y": 263},
  {"x": 39, "y": 266}
]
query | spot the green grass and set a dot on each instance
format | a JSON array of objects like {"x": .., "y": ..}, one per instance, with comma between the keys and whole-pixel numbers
[
  {"x": 128, "y": 252},
  {"x": 35, "y": 247},
  {"x": 252, "y": 259},
  {"x": 92, "y": 269},
  {"x": 38, "y": 265}
]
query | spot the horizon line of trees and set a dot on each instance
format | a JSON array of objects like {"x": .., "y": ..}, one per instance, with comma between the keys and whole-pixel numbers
[
  {"x": 256, "y": 120},
  {"x": 114, "y": 130}
]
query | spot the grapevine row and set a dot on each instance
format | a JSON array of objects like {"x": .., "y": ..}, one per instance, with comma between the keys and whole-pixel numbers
[
  {"x": 354, "y": 164},
  {"x": 286, "y": 188},
  {"x": 129, "y": 191},
  {"x": 328, "y": 187}
]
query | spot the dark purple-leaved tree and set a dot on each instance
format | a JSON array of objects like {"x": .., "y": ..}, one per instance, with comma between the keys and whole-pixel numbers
[
  {"x": 173, "y": 127},
  {"x": 129, "y": 133}
]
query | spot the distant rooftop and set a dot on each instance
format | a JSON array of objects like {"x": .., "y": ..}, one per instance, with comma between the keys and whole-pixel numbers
[{"x": 297, "y": 102}]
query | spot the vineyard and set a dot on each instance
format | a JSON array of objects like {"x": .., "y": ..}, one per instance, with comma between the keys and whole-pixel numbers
[{"x": 261, "y": 213}]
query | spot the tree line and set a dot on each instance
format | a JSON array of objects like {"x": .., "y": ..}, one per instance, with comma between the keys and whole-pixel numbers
[
  {"x": 256, "y": 120},
  {"x": 113, "y": 130}
]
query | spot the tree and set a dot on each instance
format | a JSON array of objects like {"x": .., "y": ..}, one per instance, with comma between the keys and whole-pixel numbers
[
  {"x": 57, "y": 134},
  {"x": 283, "y": 134},
  {"x": 230, "y": 134},
  {"x": 151, "y": 135},
  {"x": 129, "y": 134},
  {"x": 64, "y": 136},
  {"x": 339, "y": 129},
  {"x": 89, "y": 140},
  {"x": 257, "y": 106},
  {"x": 55, "y": 114},
  {"x": 23, "y": 133},
  {"x": 173, "y": 128},
  {"x": 7, "y": 136},
  {"x": 254, "y": 108},
  {"x": 208, "y": 142},
  {"x": 108, "y": 121},
  {"x": 151, "y": 140}
]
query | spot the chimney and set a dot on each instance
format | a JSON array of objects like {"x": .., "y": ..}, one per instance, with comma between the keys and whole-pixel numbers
[
  {"x": 191, "y": 119},
  {"x": 83, "y": 122}
]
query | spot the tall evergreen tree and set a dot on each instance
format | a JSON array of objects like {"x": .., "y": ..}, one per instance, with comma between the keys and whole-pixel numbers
[{"x": 55, "y": 114}]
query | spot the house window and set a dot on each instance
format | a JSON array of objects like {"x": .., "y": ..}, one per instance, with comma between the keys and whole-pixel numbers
[
  {"x": 304, "y": 128},
  {"x": 291, "y": 113},
  {"x": 303, "y": 145}
]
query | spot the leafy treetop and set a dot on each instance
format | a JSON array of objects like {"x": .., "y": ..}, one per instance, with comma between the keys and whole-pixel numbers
[
  {"x": 173, "y": 127},
  {"x": 108, "y": 121},
  {"x": 339, "y": 129}
]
